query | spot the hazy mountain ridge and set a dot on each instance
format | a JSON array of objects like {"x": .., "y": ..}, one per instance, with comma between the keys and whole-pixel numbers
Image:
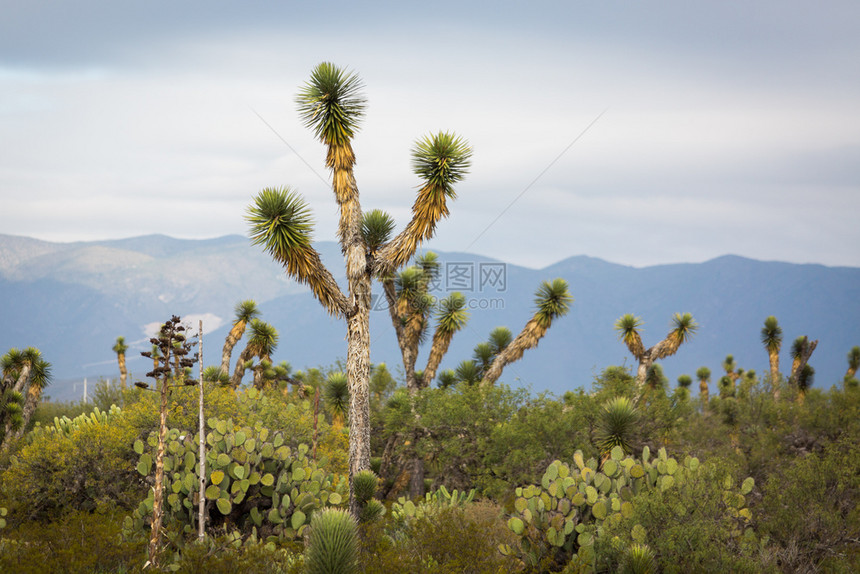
[{"x": 72, "y": 300}]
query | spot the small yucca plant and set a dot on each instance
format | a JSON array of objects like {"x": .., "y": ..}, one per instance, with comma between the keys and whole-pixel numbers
[
  {"x": 639, "y": 560},
  {"x": 617, "y": 422},
  {"x": 333, "y": 543}
]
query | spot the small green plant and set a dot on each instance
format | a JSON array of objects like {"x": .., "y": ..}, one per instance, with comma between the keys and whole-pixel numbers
[{"x": 332, "y": 543}]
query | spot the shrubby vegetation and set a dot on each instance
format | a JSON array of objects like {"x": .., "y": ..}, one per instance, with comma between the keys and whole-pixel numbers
[{"x": 775, "y": 486}]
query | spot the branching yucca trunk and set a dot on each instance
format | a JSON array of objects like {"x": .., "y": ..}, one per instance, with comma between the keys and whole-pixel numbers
[{"x": 527, "y": 339}]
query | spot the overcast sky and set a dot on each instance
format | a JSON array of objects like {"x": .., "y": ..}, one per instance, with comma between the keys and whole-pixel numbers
[{"x": 726, "y": 127}]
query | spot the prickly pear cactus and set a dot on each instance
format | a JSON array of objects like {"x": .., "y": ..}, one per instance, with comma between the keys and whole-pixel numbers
[
  {"x": 433, "y": 502},
  {"x": 558, "y": 520},
  {"x": 66, "y": 425},
  {"x": 254, "y": 481}
]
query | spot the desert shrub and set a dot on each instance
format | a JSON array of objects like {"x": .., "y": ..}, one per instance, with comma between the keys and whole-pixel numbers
[
  {"x": 455, "y": 540},
  {"x": 78, "y": 542},
  {"x": 89, "y": 467},
  {"x": 226, "y": 555},
  {"x": 811, "y": 510},
  {"x": 700, "y": 525}
]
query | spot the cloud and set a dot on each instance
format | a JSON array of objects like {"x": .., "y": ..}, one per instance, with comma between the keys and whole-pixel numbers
[{"x": 723, "y": 132}]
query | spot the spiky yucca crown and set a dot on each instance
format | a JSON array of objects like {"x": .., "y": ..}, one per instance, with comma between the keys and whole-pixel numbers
[
  {"x": 468, "y": 371},
  {"x": 771, "y": 334},
  {"x": 617, "y": 422},
  {"x": 552, "y": 299},
  {"x": 376, "y": 228},
  {"x": 451, "y": 314},
  {"x": 331, "y": 103},
  {"x": 263, "y": 337},
  {"x": 441, "y": 160},
  {"x": 639, "y": 560},
  {"x": 628, "y": 331},
  {"x": 120, "y": 346},
  {"x": 332, "y": 543},
  {"x": 245, "y": 311},
  {"x": 364, "y": 483}
]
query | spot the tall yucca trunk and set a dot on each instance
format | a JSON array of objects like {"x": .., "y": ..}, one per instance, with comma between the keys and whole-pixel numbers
[
  {"x": 801, "y": 361},
  {"x": 123, "y": 371},
  {"x": 233, "y": 338},
  {"x": 341, "y": 159},
  {"x": 23, "y": 376},
  {"x": 358, "y": 371},
  {"x": 239, "y": 371},
  {"x": 430, "y": 206},
  {"x": 34, "y": 394},
  {"x": 645, "y": 362},
  {"x": 527, "y": 339},
  {"x": 704, "y": 394},
  {"x": 158, "y": 498},
  {"x": 441, "y": 341},
  {"x": 773, "y": 357}
]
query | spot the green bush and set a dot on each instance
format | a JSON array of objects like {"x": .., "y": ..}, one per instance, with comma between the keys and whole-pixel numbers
[
  {"x": 77, "y": 542},
  {"x": 810, "y": 510},
  {"x": 455, "y": 540}
]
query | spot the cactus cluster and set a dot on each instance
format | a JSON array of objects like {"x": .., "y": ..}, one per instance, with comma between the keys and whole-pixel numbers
[
  {"x": 253, "y": 481},
  {"x": 98, "y": 417},
  {"x": 558, "y": 520},
  {"x": 432, "y": 504}
]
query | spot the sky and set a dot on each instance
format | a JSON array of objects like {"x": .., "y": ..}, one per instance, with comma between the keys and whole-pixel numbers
[{"x": 642, "y": 133}]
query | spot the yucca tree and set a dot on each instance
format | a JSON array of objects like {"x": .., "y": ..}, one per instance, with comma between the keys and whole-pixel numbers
[
  {"x": 684, "y": 384},
  {"x": 804, "y": 381},
  {"x": 684, "y": 327},
  {"x": 262, "y": 342},
  {"x": 25, "y": 374},
  {"x": 730, "y": 366},
  {"x": 245, "y": 311},
  {"x": 771, "y": 338},
  {"x": 21, "y": 363},
  {"x": 552, "y": 300},
  {"x": 801, "y": 351},
  {"x": 703, "y": 375},
  {"x": 40, "y": 377},
  {"x": 120, "y": 348},
  {"x": 410, "y": 311},
  {"x": 853, "y": 362},
  {"x": 451, "y": 317},
  {"x": 332, "y": 105}
]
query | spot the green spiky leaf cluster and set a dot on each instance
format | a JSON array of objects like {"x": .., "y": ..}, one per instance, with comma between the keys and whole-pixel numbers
[
  {"x": 331, "y": 104},
  {"x": 441, "y": 160},
  {"x": 376, "y": 229},
  {"x": 451, "y": 312},
  {"x": 280, "y": 221},
  {"x": 552, "y": 299},
  {"x": 332, "y": 544},
  {"x": 617, "y": 424}
]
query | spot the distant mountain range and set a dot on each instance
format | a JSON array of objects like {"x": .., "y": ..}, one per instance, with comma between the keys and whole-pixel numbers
[{"x": 71, "y": 300}]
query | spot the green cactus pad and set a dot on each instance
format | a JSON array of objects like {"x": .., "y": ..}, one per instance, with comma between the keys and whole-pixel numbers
[{"x": 516, "y": 525}]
